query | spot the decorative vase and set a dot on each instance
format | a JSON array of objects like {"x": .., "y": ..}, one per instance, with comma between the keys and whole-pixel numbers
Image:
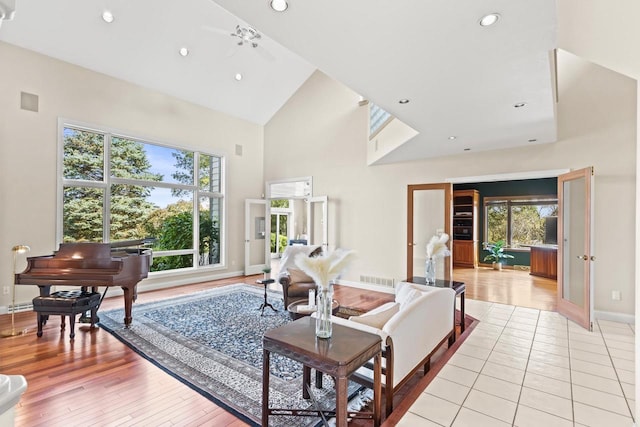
[
  {"x": 267, "y": 276},
  {"x": 497, "y": 266},
  {"x": 324, "y": 326},
  {"x": 430, "y": 271}
]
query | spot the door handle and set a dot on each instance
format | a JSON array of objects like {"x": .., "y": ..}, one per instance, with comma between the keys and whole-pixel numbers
[
  {"x": 593, "y": 258},
  {"x": 583, "y": 257}
]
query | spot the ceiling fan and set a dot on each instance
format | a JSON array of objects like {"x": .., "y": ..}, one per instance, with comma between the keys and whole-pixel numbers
[
  {"x": 247, "y": 35},
  {"x": 244, "y": 35}
]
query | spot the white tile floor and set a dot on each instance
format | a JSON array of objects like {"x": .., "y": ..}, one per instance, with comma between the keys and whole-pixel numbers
[{"x": 525, "y": 367}]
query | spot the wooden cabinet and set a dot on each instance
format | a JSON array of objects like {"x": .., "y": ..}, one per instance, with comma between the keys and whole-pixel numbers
[
  {"x": 465, "y": 228},
  {"x": 544, "y": 261},
  {"x": 465, "y": 253}
]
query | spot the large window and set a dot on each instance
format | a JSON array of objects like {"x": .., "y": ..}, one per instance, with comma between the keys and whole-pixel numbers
[
  {"x": 520, "y": 221},
  {"x": 120, "y": 188}
]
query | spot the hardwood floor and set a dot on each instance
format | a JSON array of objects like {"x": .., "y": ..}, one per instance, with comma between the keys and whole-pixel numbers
[
  {"x": 513, "y": 287},
  {"x": 97, "y": 380}
]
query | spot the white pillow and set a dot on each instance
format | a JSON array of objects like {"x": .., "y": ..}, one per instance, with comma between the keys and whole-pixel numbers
[
  {"x": 379, "y": 319},
  {"x": 411, "y": 296}
]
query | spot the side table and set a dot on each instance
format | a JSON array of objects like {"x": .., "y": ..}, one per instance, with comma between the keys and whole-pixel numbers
[
  {"x": 265, "y": 304},
  {"x": 339, "y": 356},
  {"x": 458, "y": 287}
]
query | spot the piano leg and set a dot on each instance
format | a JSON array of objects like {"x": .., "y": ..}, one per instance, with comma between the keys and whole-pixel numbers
[{"x": 129, "y": 293}]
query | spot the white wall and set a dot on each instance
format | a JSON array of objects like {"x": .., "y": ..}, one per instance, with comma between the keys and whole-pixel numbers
[
  {"x": 322, "y": 132},
  {"x": 28, "y": 142}
]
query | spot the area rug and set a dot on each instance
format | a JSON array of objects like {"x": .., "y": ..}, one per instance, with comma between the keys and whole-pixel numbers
[{"x": 212, "y": 341}]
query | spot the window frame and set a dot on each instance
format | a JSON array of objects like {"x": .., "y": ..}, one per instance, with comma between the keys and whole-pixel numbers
[
  {"x": 547, "y": 199},
  {"x": 108, "y": 181}
]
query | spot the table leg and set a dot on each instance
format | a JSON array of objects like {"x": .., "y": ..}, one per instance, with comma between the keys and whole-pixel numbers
[
  {"x": 306, "y": 380},
  {"x": 341, "y": 402},
  {"x": 462, "y": 313},
  {"x": 377, "y": 389},
  {"x": 265, "y": 388}
]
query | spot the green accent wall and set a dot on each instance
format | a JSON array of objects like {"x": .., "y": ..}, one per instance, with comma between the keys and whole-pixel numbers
[{"x": 524, "y": 187}]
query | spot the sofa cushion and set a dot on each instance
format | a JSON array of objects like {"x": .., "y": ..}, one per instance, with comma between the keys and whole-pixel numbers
[
  {"x": 298, "y": 276},
  {"x": 378, "y": 319}
]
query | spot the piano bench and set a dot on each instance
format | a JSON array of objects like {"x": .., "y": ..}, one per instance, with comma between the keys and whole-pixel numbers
[{"x": 66, "y": 303}]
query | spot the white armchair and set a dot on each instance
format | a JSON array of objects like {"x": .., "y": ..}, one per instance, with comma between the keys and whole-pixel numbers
[{"x": 412, "y": 328}]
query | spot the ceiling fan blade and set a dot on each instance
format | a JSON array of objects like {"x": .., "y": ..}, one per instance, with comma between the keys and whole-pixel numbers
[
  {"x": 217, "y": 30},
  {"x": 264, "y": 53}
]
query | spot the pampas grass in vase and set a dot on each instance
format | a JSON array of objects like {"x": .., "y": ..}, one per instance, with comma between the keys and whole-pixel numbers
[{"x": 324, "y": 270}]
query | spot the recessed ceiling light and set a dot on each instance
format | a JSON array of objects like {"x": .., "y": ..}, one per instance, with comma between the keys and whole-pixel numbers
[
  {"x": 519, "y": 105},
  {"x": 467, "y": 149},
  {"x": 238, "y": 76},
  {"x": 452, "y": 137},
  {"x": 489, "y": 19},
  {"x": 404, "y": 101},
  {"x": 279, "y": 5},
  {"x": 533, "y": 140},
  {"x": 184, "y": 51},
  {"x": 107, "y": 17}
]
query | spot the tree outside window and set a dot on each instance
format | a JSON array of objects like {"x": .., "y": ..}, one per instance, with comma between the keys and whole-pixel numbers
[
  {"x": 150, "y": 191},
  {"x": 519, "y": 221}
]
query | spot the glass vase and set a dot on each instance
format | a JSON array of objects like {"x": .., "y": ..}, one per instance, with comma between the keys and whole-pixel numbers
[
  {"x": 430, "y": 271},
  {"x": 323, "y": 314}
]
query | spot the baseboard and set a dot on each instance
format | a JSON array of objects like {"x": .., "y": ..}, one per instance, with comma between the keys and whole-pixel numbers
[
  {"x": 615, "y": 317},
  {"x": 367, "y": 286}
]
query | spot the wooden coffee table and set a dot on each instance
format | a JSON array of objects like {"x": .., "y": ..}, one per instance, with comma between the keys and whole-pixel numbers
[{"x": 339, "y": 356}]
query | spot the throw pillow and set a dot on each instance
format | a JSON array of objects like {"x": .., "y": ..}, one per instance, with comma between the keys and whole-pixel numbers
[
  {"x": 411, "y": 296},
  {"x": 377, "y": 320},
  {"x": 299, "y": 276}
]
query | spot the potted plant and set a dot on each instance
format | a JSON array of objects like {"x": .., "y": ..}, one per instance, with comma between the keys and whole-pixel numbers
[
  {"x": 496, "y": 254},
  {"x": 267, "y": 272}
]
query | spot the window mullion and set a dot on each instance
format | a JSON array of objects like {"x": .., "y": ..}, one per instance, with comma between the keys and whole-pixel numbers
[{"x": 106, "y": 205}]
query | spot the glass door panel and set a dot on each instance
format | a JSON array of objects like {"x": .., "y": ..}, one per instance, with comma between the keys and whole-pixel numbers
[
  {"x": 575, "y": 247},
  {"x": 429, "y": 213},
  {"x": 255, "y": 253}
]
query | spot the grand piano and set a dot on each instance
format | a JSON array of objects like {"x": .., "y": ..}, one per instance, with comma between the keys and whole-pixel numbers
[{"x": 121, "y": 264}]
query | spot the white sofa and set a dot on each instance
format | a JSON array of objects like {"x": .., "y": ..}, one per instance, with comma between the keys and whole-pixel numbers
[{"x": 412, "y": 328}]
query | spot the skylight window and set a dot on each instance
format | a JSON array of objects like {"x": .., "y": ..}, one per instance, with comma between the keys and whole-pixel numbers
[{"x": 378, "y": 118}]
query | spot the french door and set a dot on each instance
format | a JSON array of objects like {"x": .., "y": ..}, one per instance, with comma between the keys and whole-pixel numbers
[
  {"x": 575, "y": 247},
  {"x": 428, "y": 213},
  {"x": 256, "y": 236}
]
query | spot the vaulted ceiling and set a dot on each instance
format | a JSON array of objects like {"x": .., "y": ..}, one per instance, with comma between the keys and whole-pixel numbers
[{"x": 463, "y": 81}]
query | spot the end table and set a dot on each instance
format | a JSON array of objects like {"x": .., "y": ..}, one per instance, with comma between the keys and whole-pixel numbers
[{"x": 265, "y": 304}]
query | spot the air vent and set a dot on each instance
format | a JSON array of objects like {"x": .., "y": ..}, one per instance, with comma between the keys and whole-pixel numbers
[{"x": 379, "y": 281}]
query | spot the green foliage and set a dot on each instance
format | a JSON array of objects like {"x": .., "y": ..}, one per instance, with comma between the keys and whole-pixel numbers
[
  {"x": 176, "y": 233},
  {"x": 209, "y": 171},
  {"x": 496, "y": 252},
  {"x": 280, "y": 203},
  {"x": 496, "y": 223},
  {"x": 83, "y": 159},
  {"x": 282, "y": 243}
]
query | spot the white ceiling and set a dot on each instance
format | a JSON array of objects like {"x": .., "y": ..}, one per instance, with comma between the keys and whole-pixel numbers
[{"x": 461, "y": 79}]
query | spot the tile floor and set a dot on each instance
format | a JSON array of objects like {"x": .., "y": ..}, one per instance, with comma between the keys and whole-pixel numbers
[{"x": 525, "y": 367}]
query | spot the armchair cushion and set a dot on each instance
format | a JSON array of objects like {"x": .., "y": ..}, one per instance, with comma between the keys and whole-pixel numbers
[
  {"x": 297, "y": 276},
  {"x": 379, "y": 318}
]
